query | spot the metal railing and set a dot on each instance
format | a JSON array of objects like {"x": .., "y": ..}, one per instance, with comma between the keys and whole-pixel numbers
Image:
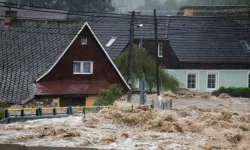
[
  {"x": 54, "y": 111},
  {"x": 22, "y": 112}
]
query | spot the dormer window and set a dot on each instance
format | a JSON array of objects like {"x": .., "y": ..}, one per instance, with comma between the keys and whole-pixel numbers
[
  {"x": 111, "y": 41},
  {"x": 245, "y": 44},
  {"x": 84, "y": 41}
]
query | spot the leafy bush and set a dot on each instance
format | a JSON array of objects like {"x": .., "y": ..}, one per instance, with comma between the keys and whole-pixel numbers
[
  {"x": 109, "y": 96},
  {"x": 1, "y": 114},
  {"x": 233, "y": 91},
  {"x": 3, "y": 104}
]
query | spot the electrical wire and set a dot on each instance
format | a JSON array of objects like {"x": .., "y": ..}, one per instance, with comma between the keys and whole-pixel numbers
[{"x": 111, "y": 15}]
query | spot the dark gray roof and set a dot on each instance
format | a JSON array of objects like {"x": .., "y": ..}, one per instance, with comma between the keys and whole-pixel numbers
[
  {"x": 36, "y": 13},
  {"x": 208, "y": 39},
  {"x": 27, "y": 50},
  {"x": 191, "y": 38},
  {"x": 106, "y": 28}
]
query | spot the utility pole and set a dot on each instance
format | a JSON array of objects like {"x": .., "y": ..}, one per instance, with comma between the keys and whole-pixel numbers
[
  {"x": 156, "y": 48},
  {"x": 131, "y": 55}
]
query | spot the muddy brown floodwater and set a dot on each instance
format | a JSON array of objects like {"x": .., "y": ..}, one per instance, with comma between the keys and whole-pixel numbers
[{"x": 193, "y": 123}]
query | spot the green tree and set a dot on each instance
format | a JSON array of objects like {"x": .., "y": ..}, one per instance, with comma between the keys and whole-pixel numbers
[
  {"x": 144, "y": 66},
  {"x": 108, "y": 96},
  {"x": 73, "y": 5}
]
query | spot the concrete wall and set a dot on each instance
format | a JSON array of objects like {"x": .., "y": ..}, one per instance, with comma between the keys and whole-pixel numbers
[
  {"x": 226, "y": 78},
  {"x": 23, "y": 147}
]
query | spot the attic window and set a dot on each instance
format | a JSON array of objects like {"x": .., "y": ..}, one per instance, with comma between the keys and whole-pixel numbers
[
  {"x": 84, "y": 41},
  {"x": 245, "y": 45},
  {"x": 111, "y": 41}
]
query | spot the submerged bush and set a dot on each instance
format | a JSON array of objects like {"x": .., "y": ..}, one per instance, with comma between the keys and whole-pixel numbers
[
  {"x": 108, "y": 96},
  {"x": 234, "y": 91}
]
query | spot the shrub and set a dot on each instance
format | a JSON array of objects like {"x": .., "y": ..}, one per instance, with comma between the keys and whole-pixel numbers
[
  {"x": 233, "y": 91},
  {"x": 108, "y": 96},
  {"x": 2, "y": 114},
  {"x": 3, "y": 104}
]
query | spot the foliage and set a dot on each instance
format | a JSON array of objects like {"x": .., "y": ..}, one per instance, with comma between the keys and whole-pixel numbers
[
  {"x": 73, "y": 5},
  {"x": 233, "y": 91},
  {"x": 144, "y": 68},
  {"x": 109, "y": 96},
  {"x": 170, "y": 5},
  {"x": 1, "y": 114},
  {"x": 3, "y": 104}
]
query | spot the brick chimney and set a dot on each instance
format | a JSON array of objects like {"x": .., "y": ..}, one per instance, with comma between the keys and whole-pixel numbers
[
  {"x": 188, "y": 12},
  {"x": 10, "y": 16}
]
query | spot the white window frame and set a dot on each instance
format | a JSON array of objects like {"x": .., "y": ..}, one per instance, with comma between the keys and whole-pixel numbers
[
  {"x": 81, "y": 67},
  {"x": 196, "y": 81},
  {"x": 216, "y": 81},
  {"x": 159, "y": 50},
  {"x": 85, "y": 39}
]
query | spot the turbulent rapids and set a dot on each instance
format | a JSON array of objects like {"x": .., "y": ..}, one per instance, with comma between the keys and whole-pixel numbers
[{"x": 139, "y": 127}]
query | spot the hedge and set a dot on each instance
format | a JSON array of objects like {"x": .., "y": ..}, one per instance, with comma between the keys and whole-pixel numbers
[{"x": 233, "y": 91}]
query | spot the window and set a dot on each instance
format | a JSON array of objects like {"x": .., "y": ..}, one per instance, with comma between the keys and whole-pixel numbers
[
  {"x": 191, "y": 81},
  {"x": 160, "y": 50},
  {"x": 83, "y": 67},
  {"x": 84, "y": 41},
  {"x": 212, "y": 81},
  {"x": 111, "y": 41},
  {"x": 249, "y": 80},
  {"x": 245, "y": 44}
]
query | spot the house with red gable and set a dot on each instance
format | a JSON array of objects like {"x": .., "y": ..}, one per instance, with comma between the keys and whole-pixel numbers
[{"x": 54, "y": 62}]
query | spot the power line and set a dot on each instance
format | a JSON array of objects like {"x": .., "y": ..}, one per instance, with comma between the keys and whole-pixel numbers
[
  {"x": 45, "y": 11},
  {"x": 96, "y": 14}
]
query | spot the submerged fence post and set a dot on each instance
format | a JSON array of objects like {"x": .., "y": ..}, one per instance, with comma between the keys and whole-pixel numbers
[
  {"x": 40, "y": 111},
  {"x": 171, "y": 103},
  {"x": 84, "y": 111},
  {"x": 166, "y": 105},
  {"x": 54, "y": 112},
  {"x": 37, "y": 112},
  {"x": 68, "y": 111},
  {"x": 6, "y": 113},
  {"x": 22, "y": 113}
]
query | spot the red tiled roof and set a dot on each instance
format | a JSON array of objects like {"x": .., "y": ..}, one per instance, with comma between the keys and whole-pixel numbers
[{"x": 68, "y": 87}]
